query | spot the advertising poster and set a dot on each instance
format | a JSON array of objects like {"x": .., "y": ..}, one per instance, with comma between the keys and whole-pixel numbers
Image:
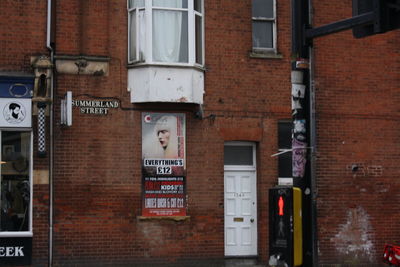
[{"x": 163, "y": 164}]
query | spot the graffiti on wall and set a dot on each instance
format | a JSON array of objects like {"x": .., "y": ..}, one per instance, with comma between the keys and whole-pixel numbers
[
  {"x": 299, "y": 140},
  {"x": 299, "y": 158}
]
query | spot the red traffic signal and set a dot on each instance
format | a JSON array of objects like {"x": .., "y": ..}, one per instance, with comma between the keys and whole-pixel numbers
[{"x": 281, "y": 204}]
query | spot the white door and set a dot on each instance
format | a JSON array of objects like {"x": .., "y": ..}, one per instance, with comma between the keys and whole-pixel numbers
[{"x": 240, "y": 204}]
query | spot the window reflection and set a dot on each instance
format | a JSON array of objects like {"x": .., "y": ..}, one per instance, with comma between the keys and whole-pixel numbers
[{"x": 15, "y": 182}]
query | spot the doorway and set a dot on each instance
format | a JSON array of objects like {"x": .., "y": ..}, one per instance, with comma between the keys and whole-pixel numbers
[{"x": 240, "y": 199}]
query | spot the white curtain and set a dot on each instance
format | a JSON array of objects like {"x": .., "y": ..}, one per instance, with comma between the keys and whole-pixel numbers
[
  {"x": 167, "y": 31},
  {"x": 170, "y": 3},
  {"x": 142, "y": 35},
  {"x": 136, "y": 3},
  {"x": 132, "y": 36},
  {"x": 140, "y": 41}
]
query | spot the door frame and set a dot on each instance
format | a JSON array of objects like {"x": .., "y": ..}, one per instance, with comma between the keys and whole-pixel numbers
[{"x": 249, "y": 168}]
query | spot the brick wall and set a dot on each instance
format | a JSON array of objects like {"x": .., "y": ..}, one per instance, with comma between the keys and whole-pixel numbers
[
  {"x": 98, "y": 159},
  {"x": 22, "y": 35},
  {"x": 97, "y": 170},
  {"x": 357, "y": 83}
]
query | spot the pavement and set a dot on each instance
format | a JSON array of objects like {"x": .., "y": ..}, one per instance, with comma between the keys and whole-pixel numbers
[{"x": 242, "y": 262}]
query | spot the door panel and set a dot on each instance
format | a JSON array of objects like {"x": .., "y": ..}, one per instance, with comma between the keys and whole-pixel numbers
[{"x": 240, "y": 213}]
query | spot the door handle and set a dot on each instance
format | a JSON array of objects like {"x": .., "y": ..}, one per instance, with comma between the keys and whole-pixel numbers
[{"x": 251, "y": 220}]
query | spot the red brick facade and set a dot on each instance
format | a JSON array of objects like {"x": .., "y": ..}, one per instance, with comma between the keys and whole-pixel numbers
[
  {"x": 357, "y": 85},
  {"x": 97, "y": 176}
]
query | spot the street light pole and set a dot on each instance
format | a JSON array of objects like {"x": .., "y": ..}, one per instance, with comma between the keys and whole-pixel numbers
[{"x": 303, "y": 133}]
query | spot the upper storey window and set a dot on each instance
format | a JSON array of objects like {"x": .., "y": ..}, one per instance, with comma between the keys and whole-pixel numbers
[
  {"x": 165, "y": 32},
  {"x": 264, "y": 25}
]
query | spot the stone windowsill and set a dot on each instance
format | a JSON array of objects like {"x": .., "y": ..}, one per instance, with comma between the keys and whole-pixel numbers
[
  {"x": 171, "y": 218},
  {"x": 270, "y": 55}
]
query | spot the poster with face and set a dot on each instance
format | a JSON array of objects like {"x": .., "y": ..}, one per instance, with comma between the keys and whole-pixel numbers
[{"x": 163, "y": 164}]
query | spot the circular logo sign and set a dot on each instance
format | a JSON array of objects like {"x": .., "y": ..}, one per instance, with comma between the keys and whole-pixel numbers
[
  {"x": 147, "y": 118},
  {"x": 14, "y": 112}
]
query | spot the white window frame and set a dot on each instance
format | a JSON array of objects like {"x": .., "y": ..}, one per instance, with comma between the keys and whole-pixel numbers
[
  {"x": 193, "y": 32},
  {"x": 252, "y": 167},
  {"x": 130, "y": 10},
  {"x": 28, "y": 233},
  {"x": 272, "y": 49},
  {"x": 148, "y": 53}
]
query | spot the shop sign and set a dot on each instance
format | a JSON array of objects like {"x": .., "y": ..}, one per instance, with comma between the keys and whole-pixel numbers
[
  {"x": 163, "y": 164},
  {"x": 15, "y": 112},
  {"x": 66, "y": 109},
  {"x": 15, "y": 251},
  {"x": 95, "y": 107},
  {"x": 18, "y": 87}
]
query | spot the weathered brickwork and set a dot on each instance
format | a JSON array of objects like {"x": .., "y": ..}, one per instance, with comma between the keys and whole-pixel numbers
[
  {"x": 22, "y": 35},
  {"x": 97, "y": 174},
  {"x": 357, "y": 85}
]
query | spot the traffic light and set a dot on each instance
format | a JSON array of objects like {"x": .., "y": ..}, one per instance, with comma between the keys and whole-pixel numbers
[
  {"x": 393, "y": 14},
  {"x": 285, "y": 226},
  {"x": 386, "y": 16}
]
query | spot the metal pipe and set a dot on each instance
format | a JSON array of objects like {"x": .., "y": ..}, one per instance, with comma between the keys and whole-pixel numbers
[
  {"x": 48, "y": 36},
  {"x": 313, "y": 145},
  {"x": 313, "y": 154},
  {"x": 50, "y": 22},
  {"x": 342, "y": 25}
]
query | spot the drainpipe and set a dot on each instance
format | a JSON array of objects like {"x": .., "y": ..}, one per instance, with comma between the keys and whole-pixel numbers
[
  {"x": 50, "y": 46},
  {"x": 313, "y": 157},
  {"x": 313, "y": 151}
]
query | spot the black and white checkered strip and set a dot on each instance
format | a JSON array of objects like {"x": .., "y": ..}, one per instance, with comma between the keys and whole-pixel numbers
[{"x": 42, "y": 129}]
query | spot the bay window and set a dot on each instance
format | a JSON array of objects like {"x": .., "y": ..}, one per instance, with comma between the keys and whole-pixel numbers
[
  {"x": 165, "y": 32},
  {"x": 166, "y": 51}
]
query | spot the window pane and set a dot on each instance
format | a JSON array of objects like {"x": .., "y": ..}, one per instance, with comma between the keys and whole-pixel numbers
[
  {"x": 285, "y": 165},
  {"x": 262, "y": 34},
  {"x": 285, "y": 134},
  {"x": 170, "y": 36},
  {"x": 238, "y": 155},
  {"x": 136, "y": 3},
  {"x": 171, "y": 3},
  {"x": 199, "y": 41},
  {"x": 15, "y": 182},
  {"x": 285, "y": 142},
  {"x": 142, "y": 35},
  {"x": 133, "y": 41},
  {"x": 132, "y": 36},
  {"x": 263, "y": 8},
  {"x": 197, "y": 5}
]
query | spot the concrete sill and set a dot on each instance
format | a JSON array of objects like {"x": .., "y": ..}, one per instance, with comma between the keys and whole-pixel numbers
[
  {"x": 171, "y": 218},
  {"x": 270, "y": 55},
  {"x": 82, "y": 64}
]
